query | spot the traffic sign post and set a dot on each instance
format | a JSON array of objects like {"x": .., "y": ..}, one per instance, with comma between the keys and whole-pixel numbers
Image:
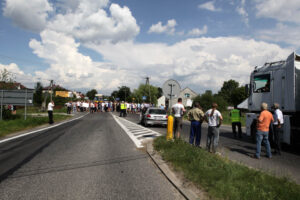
[{"x": 171, "y": 89}]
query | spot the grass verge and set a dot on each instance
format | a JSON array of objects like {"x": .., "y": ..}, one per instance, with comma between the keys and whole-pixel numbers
[
  {"x": 222, "y": 178},
  {"x": 11, "y": 126}
]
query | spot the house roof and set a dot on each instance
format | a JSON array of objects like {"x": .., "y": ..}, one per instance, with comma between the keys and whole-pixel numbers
[{"x": 11, "y": 86}]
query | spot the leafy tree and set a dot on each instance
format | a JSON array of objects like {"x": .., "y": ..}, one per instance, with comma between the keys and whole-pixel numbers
[
  {"x": 160, "y": 92},
  {"x": 207, "y": 98},
  {"x": 145, "y": 90},
  {"x": 6, "y": 76},
  {"x": 227, "y": 90},
  {"x": 38, "y": 94},
  {"x": 124, "y": 93},
  {"x": 91, "y": 94},
  {"x": 238, "y": 95}
]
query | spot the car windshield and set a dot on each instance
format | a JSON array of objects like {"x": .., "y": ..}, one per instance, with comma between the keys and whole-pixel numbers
[{"x": 157, "y": 111}]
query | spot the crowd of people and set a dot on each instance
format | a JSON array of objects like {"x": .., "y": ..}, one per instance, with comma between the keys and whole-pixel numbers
[
  {"x": 214, "y": 119},
  {"x": 196, "y": 116}
]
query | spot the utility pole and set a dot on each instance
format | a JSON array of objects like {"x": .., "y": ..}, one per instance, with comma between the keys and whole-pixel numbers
[
  {"x": 148, "y": 83},
  {"x": 51, "y": 86}
]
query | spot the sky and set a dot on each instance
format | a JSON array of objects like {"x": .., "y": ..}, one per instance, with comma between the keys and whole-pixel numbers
[{"x": 105, "y": 44}]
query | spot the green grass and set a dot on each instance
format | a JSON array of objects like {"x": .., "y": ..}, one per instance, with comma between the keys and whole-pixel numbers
[
  {"x": 222, "y": 178},
  {"x": 11, "y": 126},
  {"x": 34, "y": 109}
]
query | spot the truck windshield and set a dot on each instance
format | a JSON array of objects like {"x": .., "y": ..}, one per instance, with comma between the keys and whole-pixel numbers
[{"x": 261, "y": 83}]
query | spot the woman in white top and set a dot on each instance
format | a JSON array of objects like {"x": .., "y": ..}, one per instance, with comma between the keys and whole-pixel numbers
[{"x": 214, "y": 120}]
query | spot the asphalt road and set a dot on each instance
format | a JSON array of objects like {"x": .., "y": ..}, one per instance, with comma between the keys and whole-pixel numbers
[
  {"x": 90, "y": 158},
  {"x": 241, "y": 150}
]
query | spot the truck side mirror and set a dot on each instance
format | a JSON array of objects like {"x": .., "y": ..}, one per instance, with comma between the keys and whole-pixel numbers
[{"x": 247, "y": 89}]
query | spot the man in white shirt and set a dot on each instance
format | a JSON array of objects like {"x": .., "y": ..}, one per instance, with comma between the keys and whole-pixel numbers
[
  {"x": 50, "y": 112},
  {"x": 214, "y": 120},
  {"x": 277, "y": 127},
  {"x": 178, "y": 110}
]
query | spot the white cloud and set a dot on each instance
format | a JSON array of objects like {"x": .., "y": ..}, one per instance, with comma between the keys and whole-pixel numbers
[
  {"x": 209, "y": 6},
  {"x": 96, "y": 26},
  {"x": 281, "y": 10},
  {"x": 242, "y": 11},
  {"x": 282, "y": 33},
  {"x": 31, "y": 16},
  {"x": 19, "y": 75},
  {"x": 197, "y": 31},
  {"x": 200, "y": 63},
  {"x": 169, "y": 28}
]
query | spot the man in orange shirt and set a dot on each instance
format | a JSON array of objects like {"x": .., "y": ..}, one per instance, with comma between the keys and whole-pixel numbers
[{"x": 263, "y": 123}]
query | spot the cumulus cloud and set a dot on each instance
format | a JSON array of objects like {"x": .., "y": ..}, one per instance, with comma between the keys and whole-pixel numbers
[
  {"x": 210, "y": 5},
  {"x": 96, "y": 26},
  {"x": 197, "y": 31},
  {"x": 18, "y": 74},
  {"x": 200, "y": 63},
  {"x": 30, "y": 16},
  {"x": 159, "y": 28},
  {"x": 281, "y": 10}
]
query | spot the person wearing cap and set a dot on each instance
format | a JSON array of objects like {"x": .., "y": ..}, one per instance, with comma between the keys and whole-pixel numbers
[
  {"x": 277, "y": 127},
  {"x": 195, "y": 116},
  {"x": 263, "y": 123}
]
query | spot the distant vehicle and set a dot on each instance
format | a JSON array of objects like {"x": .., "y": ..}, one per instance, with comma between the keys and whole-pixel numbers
[
  {"x": 277, "y": 82},
  {"x": 154, "y": 116}
]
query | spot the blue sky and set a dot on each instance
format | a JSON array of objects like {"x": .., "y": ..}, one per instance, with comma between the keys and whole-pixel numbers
[{"x": 104, "y": 44}]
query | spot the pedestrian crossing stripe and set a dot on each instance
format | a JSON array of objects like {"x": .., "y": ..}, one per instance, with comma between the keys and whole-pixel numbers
[{"x": 137, "y": 133}]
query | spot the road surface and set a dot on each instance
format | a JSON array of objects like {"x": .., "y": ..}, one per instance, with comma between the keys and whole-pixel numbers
[{"x": 89, "y": 158}]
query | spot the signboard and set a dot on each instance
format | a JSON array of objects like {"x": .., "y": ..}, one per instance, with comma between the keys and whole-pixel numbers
[
  {"x": 117, "y": 99},
  {"x": 144, "y": 97},
  {"x": 189, "y": 103},
  {"x": 16, "y": 97}
]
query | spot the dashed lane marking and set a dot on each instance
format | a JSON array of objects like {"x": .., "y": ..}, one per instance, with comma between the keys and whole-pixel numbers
[{"x": 137, "y": 133}]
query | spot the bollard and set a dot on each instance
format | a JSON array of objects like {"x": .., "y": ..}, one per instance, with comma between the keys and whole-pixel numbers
[{"x": 170, "y": 128}]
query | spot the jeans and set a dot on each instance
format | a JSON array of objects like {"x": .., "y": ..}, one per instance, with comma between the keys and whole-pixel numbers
[
  {"x": 195, "y": 132},
  {"x": 262, "y": 136},
  {"x": 277, "y": 138},
  {"x": 50, "y": 115},
  {"x": 212, "y": 138}
]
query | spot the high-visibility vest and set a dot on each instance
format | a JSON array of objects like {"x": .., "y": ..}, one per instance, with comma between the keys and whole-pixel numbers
[
  {"x": 123, "y": 106},
  {"x": 235, "y": 115}
]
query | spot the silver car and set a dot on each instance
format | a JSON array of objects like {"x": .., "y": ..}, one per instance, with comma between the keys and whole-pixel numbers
[{"x": 154, "y": 116}]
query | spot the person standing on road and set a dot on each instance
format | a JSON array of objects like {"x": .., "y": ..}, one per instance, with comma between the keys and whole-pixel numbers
[
  {"x": 235, "y": 115},
  {"x": 263, "y": 123},
  {"x": 196, "y": 117},
  {"x": 122, "y": 109},
  {"x": 277, "y": 127},
  {"x": 50, "y": 111},
  {"x": 178, "y": 110},
  {"x": 214, "y": 120}
]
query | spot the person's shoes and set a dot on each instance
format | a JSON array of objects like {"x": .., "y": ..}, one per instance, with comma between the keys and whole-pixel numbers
[
  {"x": 269, "y": 157},
  {"x": 255, "y": 157}
]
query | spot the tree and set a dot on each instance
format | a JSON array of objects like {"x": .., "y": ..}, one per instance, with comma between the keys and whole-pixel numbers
[
  {"x": 38, "y": 94},
  {"x": 124, "y": 93},
  {"x": 227, "y": 90},
  {"x": 238, "y": 95},
  {"x": 6, "y": 76},
  {"x": 146, "y": 90},
  {"x": 207, "y": 98},
  {"x": 91, "y": 94}
]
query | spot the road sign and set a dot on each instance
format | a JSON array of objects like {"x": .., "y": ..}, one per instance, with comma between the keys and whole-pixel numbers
[
  {"x": 171, "y": 89},
  {"x": 117, "y": 99},
  {"x": 144, "y": 97},
  {"x": 16, "y": 97}
]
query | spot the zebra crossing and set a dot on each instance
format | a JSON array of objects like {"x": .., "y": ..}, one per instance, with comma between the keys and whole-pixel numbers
[{"x": 138, "y": 134}]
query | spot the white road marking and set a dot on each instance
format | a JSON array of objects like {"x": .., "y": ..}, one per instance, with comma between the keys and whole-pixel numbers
[
  {"x": 137, "y": 133},
  {"x": 22, "y": 135}
]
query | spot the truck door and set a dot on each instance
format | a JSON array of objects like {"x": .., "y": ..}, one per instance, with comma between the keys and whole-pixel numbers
[
  {"x": 262, "y": 90},
  {"x": 278, "y": 87}
]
